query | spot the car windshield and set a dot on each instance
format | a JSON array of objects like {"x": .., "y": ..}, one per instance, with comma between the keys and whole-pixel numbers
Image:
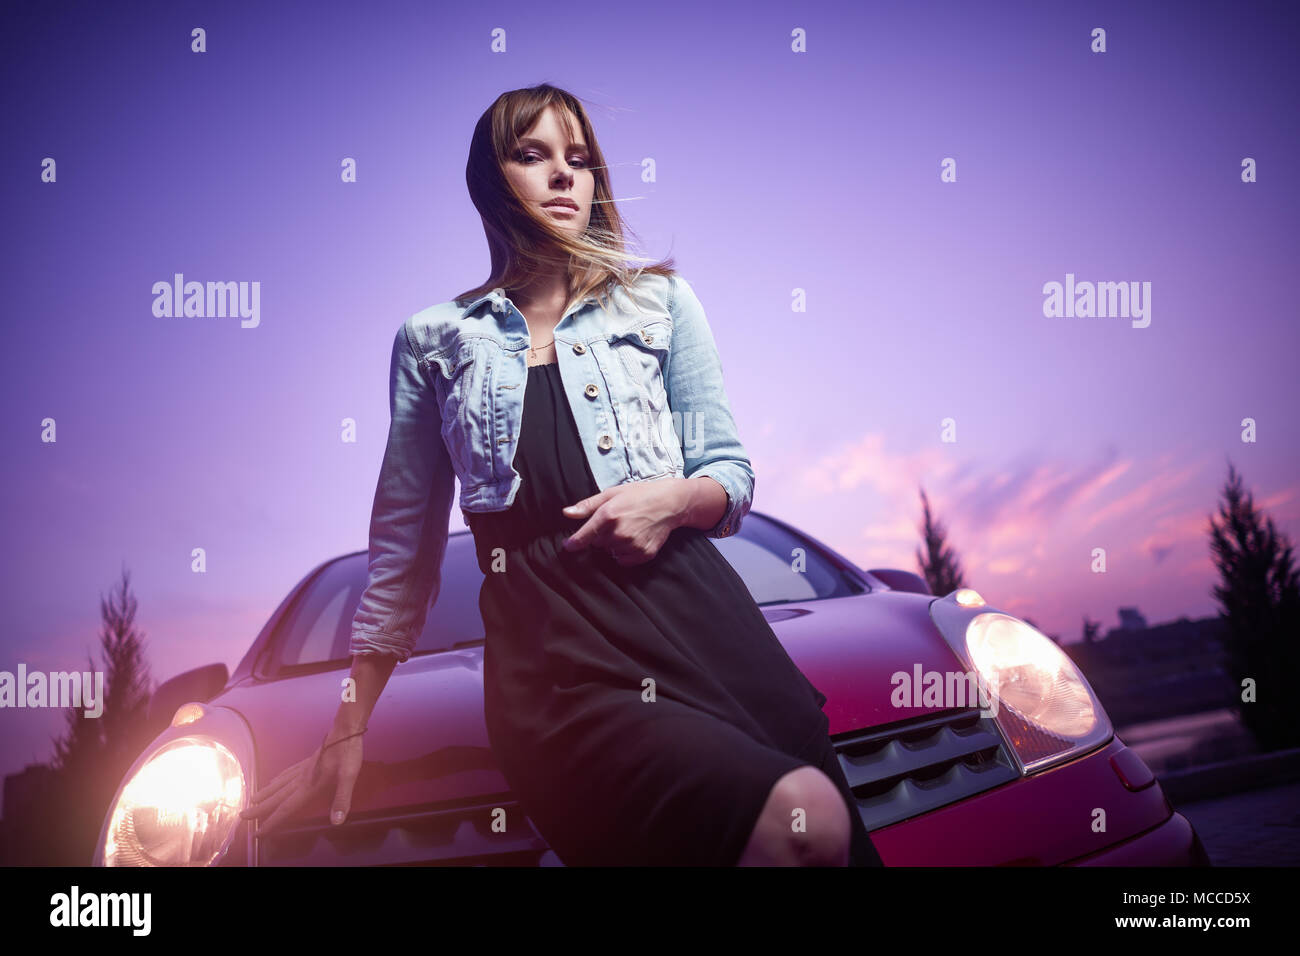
[{"x": 778, "y": 568}]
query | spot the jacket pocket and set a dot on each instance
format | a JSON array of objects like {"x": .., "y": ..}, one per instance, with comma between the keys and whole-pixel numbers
[
  {"x": 641, "y": 352},
  {"x": 456, "y": 382},
  {"x": 642, "y": 412}
]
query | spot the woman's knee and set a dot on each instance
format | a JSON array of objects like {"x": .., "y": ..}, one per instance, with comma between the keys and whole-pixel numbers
[{"x": 805, "y": 821}]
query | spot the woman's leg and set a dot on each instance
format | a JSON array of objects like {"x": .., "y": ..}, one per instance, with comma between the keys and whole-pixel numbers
[
  {"x": 804, "y": 822},
  {"x": 862, "y": 852}
]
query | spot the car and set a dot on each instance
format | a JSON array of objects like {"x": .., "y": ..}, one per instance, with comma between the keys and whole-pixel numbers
[{"x": 1029, "y": 773}]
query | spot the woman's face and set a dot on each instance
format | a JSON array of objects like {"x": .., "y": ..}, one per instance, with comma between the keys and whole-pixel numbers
[{"x": 548, "y": 167}]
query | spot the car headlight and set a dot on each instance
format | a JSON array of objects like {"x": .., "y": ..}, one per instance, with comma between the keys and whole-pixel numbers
[
  {"x": 179, "y": 809},
  {"x": 179, "y": 805},
  {"x": 1046, "y": 710}
]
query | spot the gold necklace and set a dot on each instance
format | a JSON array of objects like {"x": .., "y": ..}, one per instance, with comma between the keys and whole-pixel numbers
[{"x": 532, "y": 352}]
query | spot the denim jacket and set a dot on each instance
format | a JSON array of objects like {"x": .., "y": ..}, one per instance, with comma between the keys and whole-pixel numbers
[{"x": 644, "y": 383}]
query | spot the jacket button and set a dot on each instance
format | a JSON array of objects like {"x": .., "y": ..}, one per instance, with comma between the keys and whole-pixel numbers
[
  {"x": 591, "y": 390},
  {"x": 648, "y": 337},
  {"x": 579, "y": 348},
  {"x": 605, "y": 443}
]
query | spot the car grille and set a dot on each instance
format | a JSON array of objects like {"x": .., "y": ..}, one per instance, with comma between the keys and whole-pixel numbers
[
  {"x": 898, "y": 771},
  {"x": 915, "y": 766},
  {"x": 458, "y": 836}
]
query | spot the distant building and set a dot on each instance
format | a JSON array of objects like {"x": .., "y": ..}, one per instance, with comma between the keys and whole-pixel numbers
[
  {"x": 1131, "y": 620},
  {"x": 25, "y": 794},
  {"x": 1156, "y": 672},
  {"x": 26, "y": 790}
]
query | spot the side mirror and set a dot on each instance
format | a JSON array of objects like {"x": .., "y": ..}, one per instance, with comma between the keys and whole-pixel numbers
[
  {"x": 901, "y": 580},
  {"x": 200, "y": 684}
]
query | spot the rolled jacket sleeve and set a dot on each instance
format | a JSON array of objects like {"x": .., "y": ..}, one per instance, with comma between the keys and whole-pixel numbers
[
  {"x": 701, "y": 413},
  {"x": 408, "y": 521}
]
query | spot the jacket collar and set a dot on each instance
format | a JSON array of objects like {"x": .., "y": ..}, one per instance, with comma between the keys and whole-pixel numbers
[{"x": 498, "y": 297}]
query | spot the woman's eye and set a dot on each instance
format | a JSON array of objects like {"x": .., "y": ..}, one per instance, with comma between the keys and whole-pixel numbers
[{"x": 527, "y": 156}]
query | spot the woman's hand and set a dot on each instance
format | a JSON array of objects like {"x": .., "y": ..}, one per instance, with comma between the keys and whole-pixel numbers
[
  {"x": 630, "y": 521},
  {"x": 337, "y": 770}
]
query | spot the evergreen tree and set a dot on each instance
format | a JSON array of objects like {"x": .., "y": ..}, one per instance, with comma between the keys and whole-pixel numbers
[
  {"x": 96, "y": 752},
  {"x": 1259, "y": 598},
  {"x": 127, "y": 683},
  {"x": 938, "y": 564}
]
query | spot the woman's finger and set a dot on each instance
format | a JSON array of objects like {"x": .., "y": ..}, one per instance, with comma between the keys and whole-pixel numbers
[
  {"x": 273, "y": 792},
  {"x": 288, "y": 808},
  {"x": 286, "y": 776},
  {"x": 267, "y": 804}
]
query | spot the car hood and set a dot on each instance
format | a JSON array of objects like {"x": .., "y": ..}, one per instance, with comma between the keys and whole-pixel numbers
[
  {"x": 851, "y": 648},
  {"x": 427, "y": 743}
]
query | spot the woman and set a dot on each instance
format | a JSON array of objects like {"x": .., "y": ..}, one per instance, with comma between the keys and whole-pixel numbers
[{"x": 636, "y": 699}]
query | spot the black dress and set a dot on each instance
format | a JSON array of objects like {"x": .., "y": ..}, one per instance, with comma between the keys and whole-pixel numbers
[{"x": 641, "y": 714}]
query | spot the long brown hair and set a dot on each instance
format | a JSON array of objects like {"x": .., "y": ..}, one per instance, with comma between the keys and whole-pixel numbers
[{"x": 523, "y": 243}]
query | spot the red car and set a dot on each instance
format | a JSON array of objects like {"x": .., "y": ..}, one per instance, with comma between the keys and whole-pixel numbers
[{"x": 1033, "y": 775}]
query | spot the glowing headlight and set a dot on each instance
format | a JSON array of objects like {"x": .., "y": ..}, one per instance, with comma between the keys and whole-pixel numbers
[
  {"x": 179, "y": 809},
  {"x": 1046, "y": 708}
]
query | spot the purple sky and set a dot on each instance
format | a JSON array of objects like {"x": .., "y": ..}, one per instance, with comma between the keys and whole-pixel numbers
[{"x": 776, "y": 171}]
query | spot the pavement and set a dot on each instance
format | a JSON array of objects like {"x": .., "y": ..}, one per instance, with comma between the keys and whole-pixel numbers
[
  {"x": 1245, "y": 805},
  {"x": 1254, "y": 828},
  {"x": 1189, "y": 740}
]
